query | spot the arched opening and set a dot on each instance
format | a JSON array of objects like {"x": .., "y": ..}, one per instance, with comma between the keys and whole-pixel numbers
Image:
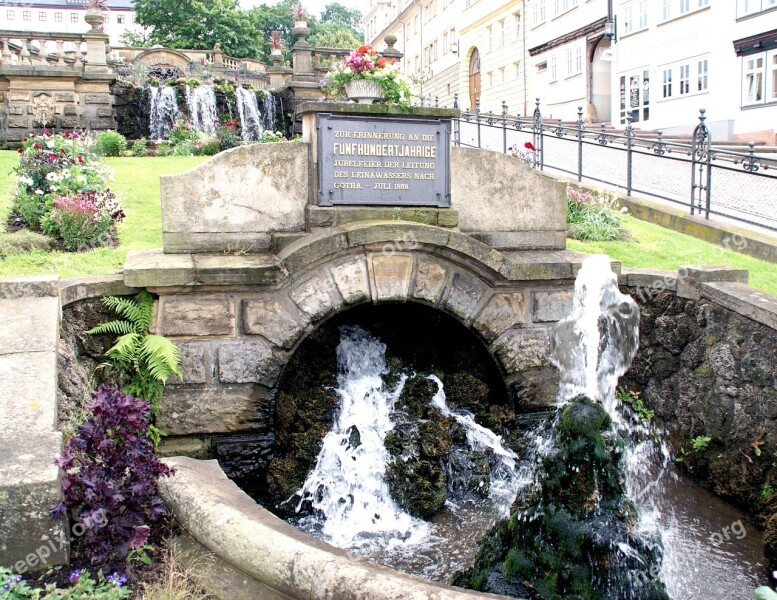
[
  {"x": 601, "y": 86},
  {"x": 474, "y": 78}
]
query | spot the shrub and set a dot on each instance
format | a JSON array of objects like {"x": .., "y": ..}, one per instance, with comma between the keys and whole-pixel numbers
[
  {"x": 183, "y": 149},
  {"x": 592, "y": 217},
  {"x": 22, "y": 241},
  {"x": 83, "y": 219},
  {"x": 269, "y": 136},
  {"x": 110, "y": 477},
  {"x": 228, "y": 137},
  {"x": 110, "y": 143},
  {"x": 181, "y": 132},
  {"x": 211, "y": 148},
  {"x": 140, "y": 147},
  {"x": 164, "y": 149}
]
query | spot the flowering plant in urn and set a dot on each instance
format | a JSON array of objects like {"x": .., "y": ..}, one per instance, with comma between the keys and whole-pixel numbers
[{"x": 366, "y": 65}]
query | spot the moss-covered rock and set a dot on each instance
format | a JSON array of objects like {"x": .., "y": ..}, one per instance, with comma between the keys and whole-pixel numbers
[{"x": 565, "y": 541}]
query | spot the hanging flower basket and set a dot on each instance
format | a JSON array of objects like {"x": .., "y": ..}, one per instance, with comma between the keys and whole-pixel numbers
[{"x": 364, "y": 91}]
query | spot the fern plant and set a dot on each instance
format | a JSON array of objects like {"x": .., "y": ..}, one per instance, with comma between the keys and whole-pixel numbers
[{"x": 147, "y": 359}]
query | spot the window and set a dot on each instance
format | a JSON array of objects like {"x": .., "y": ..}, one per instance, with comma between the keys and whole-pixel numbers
[
  {"x": 773, "y": 76},
  {"x": 489, "y": 31},
  {"x": 753, "y": 91},
  {"x": 501, "y": 33},
  {"x": 539, "y": 12},
  {"x": 27, "y": 15},
  {"x": 543, "y": 66},
  {"x": 502, "y": 75},
  {"x": 517, "y": 22},
  {"x": 42, "y": 15},
  {"x": 445, "y": 43},
  {"x": 685, "y": 6},
  {"x": 685, "y": 79},
  {"x": 578, "y": 60},
  {"x": 553, "y": 70},
  {"x": 415, "y": 24},
  {"x": 643, "y": 14},
  {"x": 702, "y": 66},
  {"x": 517, "y": 66},
  {"x": 120, "y": 19},
  {"x": 628, "y": 18},
  {"x": 667, "y": 83},
  {"x": 751, "y": 7},
  {"x": 10, "y": 15},
  {"x": 569, "y": 62},
  {"x": 106, "y": 18},
  {"x": 74, "y": 17},
  {"x": 58, "y": 17},
  {"x": 490, "y": 79},
  {"x": 434, "y": 50},
  {"x": 666, "y": 9}
]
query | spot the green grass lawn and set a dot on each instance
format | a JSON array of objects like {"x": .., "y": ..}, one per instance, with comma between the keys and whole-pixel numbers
[
  {"x": 137, "y": 186},
  {"x": 655, "y": 247}
]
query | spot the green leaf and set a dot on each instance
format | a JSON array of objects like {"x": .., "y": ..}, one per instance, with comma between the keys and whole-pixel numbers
[
  {"x": 115, "y": 327},
  {"x": 161, "y": 357},
  {"x": 125, "y": 350}
]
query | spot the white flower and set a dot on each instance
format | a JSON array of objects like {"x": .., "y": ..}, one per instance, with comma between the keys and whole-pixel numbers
[
  {"x": 50, "y": 144},
  {"x": 25, "y": 180},
  {"x": 52, "y": 176},
  {"x": 81, "y": 180},
  {"x": 39, "y": 192}
]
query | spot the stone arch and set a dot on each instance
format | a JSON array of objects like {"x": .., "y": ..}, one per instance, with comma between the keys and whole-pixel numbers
[{"x": 164, "y": 60}]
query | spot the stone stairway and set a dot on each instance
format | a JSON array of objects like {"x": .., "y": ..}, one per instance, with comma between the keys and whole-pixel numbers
[{"x": 29, "y": 439}]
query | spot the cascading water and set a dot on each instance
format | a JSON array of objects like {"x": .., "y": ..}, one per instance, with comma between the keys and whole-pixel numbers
[
  {"x": 201, "y": 102},
  {"x": 162, "y": 112},
  {"x": 347, "y": 490},
  {"x": 270, "y": 108},
  {"x": 251, "y": 121}
]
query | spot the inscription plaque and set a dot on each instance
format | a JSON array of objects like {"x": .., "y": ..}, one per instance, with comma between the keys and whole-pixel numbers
[{"x": 383, "y": 161}]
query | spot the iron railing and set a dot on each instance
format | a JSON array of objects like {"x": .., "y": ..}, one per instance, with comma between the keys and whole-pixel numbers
[{"x": 650, "y": 165}]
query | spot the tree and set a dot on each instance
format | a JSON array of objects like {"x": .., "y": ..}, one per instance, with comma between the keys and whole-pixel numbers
[
  {"x": 333, "y": 35},
  {"x": 199, "y": 24},
  {"x": 334, "y": 12}
]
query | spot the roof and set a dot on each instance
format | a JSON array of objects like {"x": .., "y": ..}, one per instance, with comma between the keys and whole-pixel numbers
[
  {"x": 756, "y": 43},
  {"x": 67, "y": 4}
]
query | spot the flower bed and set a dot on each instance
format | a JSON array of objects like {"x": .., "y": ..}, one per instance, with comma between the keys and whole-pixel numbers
[{"x": 62, "y": 190}]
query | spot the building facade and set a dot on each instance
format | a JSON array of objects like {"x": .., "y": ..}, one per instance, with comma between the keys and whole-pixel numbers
[
  {"x": 66, "y": 16},
  {"x": 652, "y": 62},
  {"x": 713, "y": 54}
]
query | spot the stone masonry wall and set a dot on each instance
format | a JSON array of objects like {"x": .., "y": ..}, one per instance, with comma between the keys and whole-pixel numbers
[{"x": 706, "y": 369}]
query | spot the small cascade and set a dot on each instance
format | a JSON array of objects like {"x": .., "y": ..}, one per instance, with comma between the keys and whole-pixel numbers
[
  {"x": 348, "y": 491},
  {"x": 162, "y": 112},
  {"x": 251, "y": 121},
  {"x": 347, "y": 485},
  {"x": 270, "y": 108},
  {"x": 201, "y": 103}
]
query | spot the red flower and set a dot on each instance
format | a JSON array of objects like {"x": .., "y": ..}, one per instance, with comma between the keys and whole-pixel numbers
[
  {"x": 20, "y": 150},
  {"x": 381, "y": 62},
  {"x": 37, "y": 146},
  {"x": 529, "y": 146},
  {"x": 363, "y": 49}
]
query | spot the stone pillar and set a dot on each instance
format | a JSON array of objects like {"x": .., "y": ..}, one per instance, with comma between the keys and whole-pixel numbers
[
  {"x": 302, "y": 53},
  {"x": 96, "y": 43},
  {"x": 278, "y": 71},
  {"x": 218, "y": 56}
]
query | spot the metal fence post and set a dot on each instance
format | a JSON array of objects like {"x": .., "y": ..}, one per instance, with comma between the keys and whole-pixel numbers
[
  {"x": 629, "y": 154},
  {"x": 456, "y": 123},
  {"x": 504, "y": 126},
  {"x": 580, "y": 143},
  {"x": 701, "y": 159},
  {"x": 539, "y": 155},
  {"x": 477, "y": 117}
]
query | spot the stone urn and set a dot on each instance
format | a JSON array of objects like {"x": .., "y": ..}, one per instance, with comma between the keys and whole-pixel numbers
[
  {"x": 94, "y": 17},
  {"x": 363, "y": 91}
]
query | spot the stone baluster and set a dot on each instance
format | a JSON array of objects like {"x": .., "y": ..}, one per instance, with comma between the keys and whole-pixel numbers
[
  {"x": 6, "y": 57},
  {"x": 24, "y": 55},
  {"x": 61, "y": 53}
]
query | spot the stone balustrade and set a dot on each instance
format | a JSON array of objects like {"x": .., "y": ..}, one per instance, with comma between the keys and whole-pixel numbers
[
  {"x": 33, "y": 49},
  {"x": 324, "y": 59}
]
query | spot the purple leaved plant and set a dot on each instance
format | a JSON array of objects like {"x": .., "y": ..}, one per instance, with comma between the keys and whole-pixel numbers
[{"x": 110, "y": 480}]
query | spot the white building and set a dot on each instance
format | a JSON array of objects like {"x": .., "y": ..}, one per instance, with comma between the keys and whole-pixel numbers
[
  {"x": 66, "y": 16},
  {"x": 676, "y": 56},
  {"x": 569, "y": 52}
]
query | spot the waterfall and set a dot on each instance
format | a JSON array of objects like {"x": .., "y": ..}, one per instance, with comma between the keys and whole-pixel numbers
[
  {"x": 347, "y": 488},
  {"x": 270, "y": 107},
  {"x": 162, "y": 112},
  {"x": 201, "y": 102},
  {"x": 251, "y": 121}
]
